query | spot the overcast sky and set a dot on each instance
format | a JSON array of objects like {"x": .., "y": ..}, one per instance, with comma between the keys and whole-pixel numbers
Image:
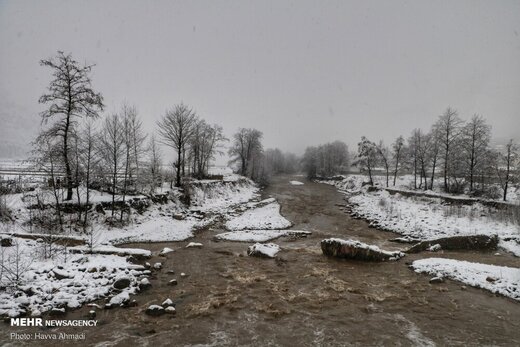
[{"x": 303, "y": 72}]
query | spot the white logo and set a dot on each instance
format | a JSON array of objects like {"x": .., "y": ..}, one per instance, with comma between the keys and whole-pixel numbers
[{"x": 26, "y": 322}]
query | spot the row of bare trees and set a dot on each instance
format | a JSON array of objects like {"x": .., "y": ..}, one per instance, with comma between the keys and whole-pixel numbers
[
  {"x": 80, "y": 149},
  {"x": 457, "y": 151},
  {"x": 195, "y": 142}
]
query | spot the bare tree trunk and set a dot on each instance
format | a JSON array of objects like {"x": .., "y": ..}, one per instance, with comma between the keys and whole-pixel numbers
[
  {"x": 508, "y": 168},
  {"x": 114, "y": 185},
  {"x": 68, "y": 170},
  {"x": 433, "y": 172},
  {"x": 396, "y": 167},
  {"x": 178, "y": 170}
]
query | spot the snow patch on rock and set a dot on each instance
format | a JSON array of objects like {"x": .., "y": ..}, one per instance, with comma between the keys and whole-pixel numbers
[{"x": 267, "y": 250}]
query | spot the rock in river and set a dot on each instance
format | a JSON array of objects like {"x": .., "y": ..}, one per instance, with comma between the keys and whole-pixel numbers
[
  {"x": 154, "y": 310},
  {"x": 352, "y": 249},
  {"x": 122, "y": 283},
  {"x": 267, "y": 250},
  {"x": 469, "y": 242}
]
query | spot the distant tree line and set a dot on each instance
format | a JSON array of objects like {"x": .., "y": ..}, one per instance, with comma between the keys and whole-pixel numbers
[
  {"x": 251, "y": 160},
  {"x": 326, "y": 160},
  {"x": 458, "y": 151}
]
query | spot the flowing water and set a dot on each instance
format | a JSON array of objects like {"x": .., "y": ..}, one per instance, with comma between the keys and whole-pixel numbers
[{"x": 303, "y": 298}]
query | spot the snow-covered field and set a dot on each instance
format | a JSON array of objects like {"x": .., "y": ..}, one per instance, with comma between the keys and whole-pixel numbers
[
  {"x": 427, "y": 218},
  {"x": 497, "y": 279}
]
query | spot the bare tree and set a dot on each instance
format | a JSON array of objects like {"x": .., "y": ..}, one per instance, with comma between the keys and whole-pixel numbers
[
  {"x": 247, "y": 145},
  {"x": 205, "y": 143},
  {"x": 367, "y": 156},
  {"x": 504, "y": 166},
  {"x": 434, "y": 152},
  {"x": 155, "y": 163},
  {"x": 397, "y": 152},
  {"x": 14, "y": 263},
  {"x": 423, "y": 157},
  {"x": 275, "y": 160},
  {"x": 384, "y": 155},
  {"x": 176, "y": 129},
  {"x": 326, "y": 160},
  {"x": 137, "y": 141},
  {"x": 89, "y": 160},
  {"x": 448, "y": 126},
  {"x": 77, "y": 165},
  {"x": 46, "y": 157},
  {"x": 111, "y": 149},
  {"x": 127, "y": 113},
  {"x": 69, "y": 97},
  {"x": 414, "y": 143},
  {"x": 310, "y": 161},
  {"x": 475, "y": 140}
]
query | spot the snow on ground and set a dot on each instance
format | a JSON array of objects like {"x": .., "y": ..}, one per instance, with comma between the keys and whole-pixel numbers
[
  {"x": 296, "y": 183},
  {"x": 160, "y": 229},
  {"x": 251, "y": 235},
  {"x": 219, "y": 197},
  {"x": 67, "y": 281},
  {"x": 265, "y": 217},
  {"x": 107, "y": 249},
  {"x": 426, "y": 217},
  {"x": 511, "y": 244},
  {"x": 497, "y": 279},
  {"x": 266, "y": 249},
  {"x": 406, "y": 183},
  {"x": 259, "y": 235}
]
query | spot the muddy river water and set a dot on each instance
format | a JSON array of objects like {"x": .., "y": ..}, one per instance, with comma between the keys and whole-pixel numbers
[{"x": 302, "y": 298}]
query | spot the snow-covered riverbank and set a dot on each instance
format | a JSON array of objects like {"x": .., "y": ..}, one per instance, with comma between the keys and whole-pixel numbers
[
  {"x": 37, "y": 276},
  {"x": 427, "y": 217}
]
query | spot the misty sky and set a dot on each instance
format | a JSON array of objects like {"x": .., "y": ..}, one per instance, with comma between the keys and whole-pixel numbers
[{"x": 303, "y": 72}]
